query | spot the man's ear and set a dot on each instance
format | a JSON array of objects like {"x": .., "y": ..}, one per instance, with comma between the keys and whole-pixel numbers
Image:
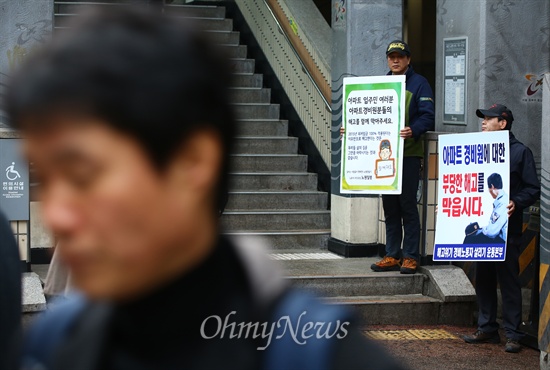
[
  {"x": 197, "y": 163},
  {"x": 502, "y": 124}
]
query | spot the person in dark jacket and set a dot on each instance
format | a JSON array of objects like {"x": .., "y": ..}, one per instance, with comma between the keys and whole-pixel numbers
[
  {"x": 10, "y": 296},
  {"x": 401, "y": 211},
  {"x": 524, "y": 191},
  {"x": 129, "y": 125}
]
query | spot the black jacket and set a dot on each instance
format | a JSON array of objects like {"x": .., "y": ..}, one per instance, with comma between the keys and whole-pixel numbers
[
  {"x": 164, "y": 330},
  {"x": 10, "y": 296},
  {"x": 524, "y": 183}
]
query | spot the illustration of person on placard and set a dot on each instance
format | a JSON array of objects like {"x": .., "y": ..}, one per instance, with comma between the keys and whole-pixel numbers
[
  {"x": 385, "y": 166},
  {"x": 496, "y": 230}
]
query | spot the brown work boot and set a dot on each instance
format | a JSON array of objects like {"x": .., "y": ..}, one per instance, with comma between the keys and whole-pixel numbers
[
  {"x": 482, "y": 337},
  {"x": 386, "y": 264},
  {"x": 512, "y": 346},
  {"x": 408, "y": 266}
]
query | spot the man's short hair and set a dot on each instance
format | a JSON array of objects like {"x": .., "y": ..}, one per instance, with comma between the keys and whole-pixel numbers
[
  {"x": 495, "y": 180},
  {"x": 146, "y": 75}
]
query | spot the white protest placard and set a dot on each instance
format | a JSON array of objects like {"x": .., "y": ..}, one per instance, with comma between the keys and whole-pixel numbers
[
  {"x": 473, "y": 195},
  {"x": 372, "y": 150}
]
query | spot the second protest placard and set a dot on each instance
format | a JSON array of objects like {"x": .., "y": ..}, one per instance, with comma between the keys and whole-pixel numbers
[{"x": 473, "y": 196}]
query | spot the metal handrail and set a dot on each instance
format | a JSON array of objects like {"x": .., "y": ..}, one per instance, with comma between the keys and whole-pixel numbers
[{"x": 304, "y": 68}]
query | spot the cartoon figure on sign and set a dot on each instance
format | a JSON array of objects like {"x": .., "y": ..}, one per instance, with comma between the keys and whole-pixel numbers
[
  {"x": 11, "y": 173},
  {"x": 496, "y": 230},
  {"x": 385, "y": 166}
]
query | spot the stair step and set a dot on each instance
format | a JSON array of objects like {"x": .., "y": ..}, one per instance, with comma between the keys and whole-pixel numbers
[
  {"x": 409, "y": 309},
  {"x": 266, "y": 145},
  {"x": 275, "y": 220},
  {"x": 73, "y": 7},
  {"x": 250, "y": 95},
  {"x": 234, "y": 51},
  {"x": 228, "y": 38},
  {"x": 196, "y": 11},
  {"x": 262, "y": 128},
  {"x": 369, "y": 284},
  {"x": 205, "y": 24},
  {"x": 253, "y": 80},
  {"x": 267, "y": 163},
  {"x": 64, "y": 20},
  {"x": 273, "y": 181},
  {"x": 208, "y": 24},
  {"x": 283, "y": 241},
  {"x": 277, "y": 200},
  {"x": 223, "y": 37},
  {"x": 242, "y": 66},
  {"x": 257, "y": 111}
]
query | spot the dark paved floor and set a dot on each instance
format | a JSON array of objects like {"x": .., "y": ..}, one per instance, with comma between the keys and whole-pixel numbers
[
  {"x": 455, "y": 354},
  {"x": 418, "y": 354}
]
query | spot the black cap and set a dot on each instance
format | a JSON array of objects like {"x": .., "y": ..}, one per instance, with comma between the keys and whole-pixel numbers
[
  {"x": 398, "y": 46},
  {"x": 496, "y": 110},
  {"x": 471, "y": 228}
]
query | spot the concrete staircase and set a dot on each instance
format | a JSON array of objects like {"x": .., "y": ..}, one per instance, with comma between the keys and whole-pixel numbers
[
  {"x": 435, "y": 295},
  {"x": 273, "y": 196}
]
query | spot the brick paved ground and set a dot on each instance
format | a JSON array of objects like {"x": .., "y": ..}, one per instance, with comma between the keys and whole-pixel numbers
[{"x": 454, "y": 354}]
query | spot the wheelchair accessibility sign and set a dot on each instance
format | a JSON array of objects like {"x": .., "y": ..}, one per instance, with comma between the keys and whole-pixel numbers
[
  {"x": 14, "y": 201},
  {"x": 11, "y": 173}
]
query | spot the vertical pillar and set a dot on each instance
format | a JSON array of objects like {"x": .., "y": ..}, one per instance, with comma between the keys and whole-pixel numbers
[
  {"x": 362, "y": 30},
  {"x": 544, "y": 281},
  {"x": 505, "y": 63},
  {"x": 24, "y": 25}
]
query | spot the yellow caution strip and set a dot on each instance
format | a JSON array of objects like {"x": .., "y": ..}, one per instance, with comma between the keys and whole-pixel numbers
[
  {"x": 542, "y": 274},
  {"x": 544, "y": 287},
  {"x": 412, "y": 334},
  {"x": 527, "y": 255}
]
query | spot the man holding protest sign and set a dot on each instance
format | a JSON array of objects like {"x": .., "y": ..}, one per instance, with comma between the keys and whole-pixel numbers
[
  {"x": 401, "y": 211},
  {"x": 524, "y": 191}
]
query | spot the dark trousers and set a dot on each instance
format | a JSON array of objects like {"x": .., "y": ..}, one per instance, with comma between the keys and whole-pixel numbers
[
  {"x": 401, "y": 213},
  {"x": 507, "y": 274}
]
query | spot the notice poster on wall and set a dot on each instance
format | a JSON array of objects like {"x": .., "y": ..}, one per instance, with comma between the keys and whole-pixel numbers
[
  {"x": 372, "y": 150},
  {"x": 455, "y": 60},
  {"x": 473, "y": 196}
]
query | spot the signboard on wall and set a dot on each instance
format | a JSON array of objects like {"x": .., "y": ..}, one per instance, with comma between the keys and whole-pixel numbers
[
  {"x": 372, "y": 149},
  {"x": 472, "y": 197},
  {"x": 455, "y": 61},
  {"x": 14, "y": 199}
]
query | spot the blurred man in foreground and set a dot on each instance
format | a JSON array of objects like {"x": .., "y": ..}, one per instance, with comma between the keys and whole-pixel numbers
[{"x": 128, "y": 123}]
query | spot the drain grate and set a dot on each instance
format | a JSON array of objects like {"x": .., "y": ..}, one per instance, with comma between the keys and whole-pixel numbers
[
  {"x": 413, "y": 334},
  {"x": 304, "y": 256}
]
